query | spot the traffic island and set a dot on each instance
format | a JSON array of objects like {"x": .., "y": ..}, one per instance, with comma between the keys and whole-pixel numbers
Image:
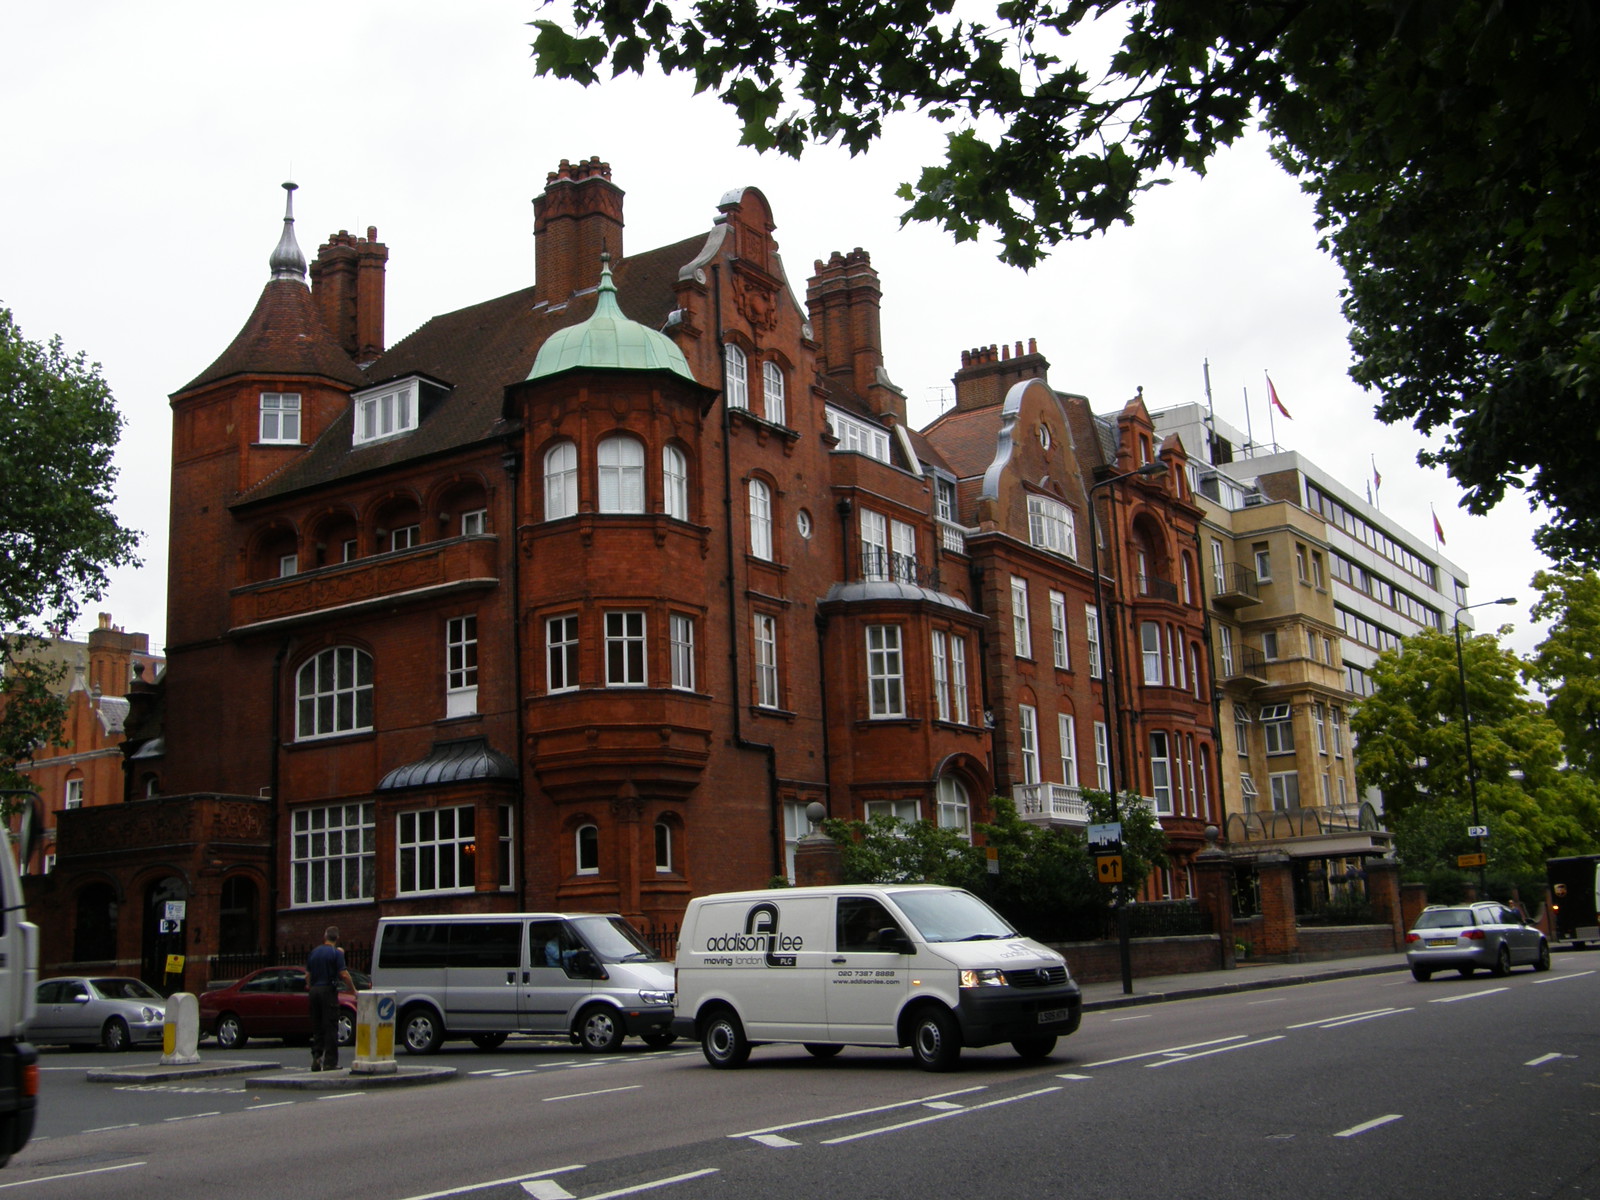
[
  {"x": 342, "y": 1079},
  {"x": 174, "y": 1073}
]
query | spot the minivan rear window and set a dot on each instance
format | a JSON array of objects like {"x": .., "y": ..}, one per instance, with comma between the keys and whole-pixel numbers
[{"x": 431, "y": 945}]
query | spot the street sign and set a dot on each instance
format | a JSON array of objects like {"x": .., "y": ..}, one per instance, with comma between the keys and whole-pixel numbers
[
  {"x": 174, "y": 964},
  {"x": 1105, "y": 837},
  {"x": 1108, "y": 868},
  {"x": 991, "y": 855},
  {"x": 1472, "y": 860},
  {"x": 1477, "y": 831},
  {"x": 174, "y": 910}
]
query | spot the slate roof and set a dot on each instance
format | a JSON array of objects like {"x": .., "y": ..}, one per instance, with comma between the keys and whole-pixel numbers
[
  {"x": 284, "y": 336},
  {"x": 458, "y": 761}
]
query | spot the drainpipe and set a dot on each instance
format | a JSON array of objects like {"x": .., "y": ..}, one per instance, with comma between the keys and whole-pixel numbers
[
  {"x": 512, "y": 466},
  {"x": 274, "y": 777}
]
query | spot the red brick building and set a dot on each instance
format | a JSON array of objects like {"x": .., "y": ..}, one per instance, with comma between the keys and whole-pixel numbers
[{"x": 576, "y": 598}]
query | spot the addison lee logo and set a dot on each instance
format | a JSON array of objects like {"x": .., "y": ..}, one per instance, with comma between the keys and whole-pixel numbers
[{"x": 761, "y": 935}]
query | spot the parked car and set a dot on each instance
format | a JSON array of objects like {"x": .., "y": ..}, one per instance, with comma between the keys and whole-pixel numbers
[
  {"x": 273, "y": 1002},
  {"x": 110, "y": 1011},
  {"x": 1468, "y": 936}
]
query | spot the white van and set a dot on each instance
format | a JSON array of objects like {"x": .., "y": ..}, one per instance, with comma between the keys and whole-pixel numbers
[
  {"x": 590, "y": 976},
  {"x": 933, "y": 968}
]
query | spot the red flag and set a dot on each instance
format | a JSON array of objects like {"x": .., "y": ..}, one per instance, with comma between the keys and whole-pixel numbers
[
  {"x": 1438, "y": 532},
  {"x": 1272, "y": 395}
]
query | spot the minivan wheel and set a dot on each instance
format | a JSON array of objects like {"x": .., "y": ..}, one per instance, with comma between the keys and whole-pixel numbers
[
  {"x": 722, "y": 1040},
  {"x": 821, "y": 1049},
  {"x": 421, "y": 1030},
  {"x": 1502, "y": 962},
  {"x": 1035, "y": 1048},
  {"x": 1542, "y": 963},
  {"x": 489, "y": 1041},
  {"x": 935, "y": 1040},
  {"x": 600, "y": 1029}
]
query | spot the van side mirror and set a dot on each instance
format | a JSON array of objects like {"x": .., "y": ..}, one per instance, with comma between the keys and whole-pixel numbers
[
  {"x": 584, "y": 966},
  {"x": 892, "y": 940}
]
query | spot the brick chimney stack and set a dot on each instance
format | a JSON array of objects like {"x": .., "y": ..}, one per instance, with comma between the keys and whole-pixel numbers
[
  {"x": 111, "y": 656},
  {"x": 844, "y": 297},
  {"x": 347, "y": 283},
  {"x": 575, "y": 218},
  {"x": 989, "y": 372}
]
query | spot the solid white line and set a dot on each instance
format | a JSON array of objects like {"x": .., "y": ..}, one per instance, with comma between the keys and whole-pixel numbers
[
  {"x": 274, "y": 1104},
  {"x": 1074, "y": 1077},
  {"x": 1273, "y": 1000},
  {"x": 1559, "y": 978},
  {"x": 509, "y": 1074},
  {"x": 1369, "y": 1017},
  {"x": 1141, "y": 1017},
  {"x": 1468, "y": 996},
  {"x": 545, "y": 1189},
  {"x": 340, "y": 1096},
  {"x": 772, "y": 1139},
  {"x": 1347, "y": 1016},
  {"x": 942, "y": 1104},
  {"x": 192, "y": 1116},
  {"x": 1111, "y": 1062},
  {"x": 860, "y": 1112},
  {"x": 1542, "y": 1059},
  {"x": 850, "y": 1137},
  {"x": 489, "y": 1183},
  {"x": 108, "y": 1128},
  {"x": 1366, "y": 1125},
  {"x": 72, "y": 1174},
  {"x": 603, "y": 1091},
  {"x": 1167, "y": 1062},
  {"x": 645, "y": 1187}
]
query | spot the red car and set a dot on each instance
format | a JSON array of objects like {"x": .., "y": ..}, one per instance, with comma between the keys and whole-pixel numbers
[{"x": 270, "y": 1003}]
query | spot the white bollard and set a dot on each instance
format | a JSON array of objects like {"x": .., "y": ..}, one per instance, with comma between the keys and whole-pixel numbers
[
  {"x": 180, "y": 1035},
  {"x": 374, "y": 1034}
]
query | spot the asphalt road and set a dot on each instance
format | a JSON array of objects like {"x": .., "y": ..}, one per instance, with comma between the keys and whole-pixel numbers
[{"x": 1373, "y": 1086}]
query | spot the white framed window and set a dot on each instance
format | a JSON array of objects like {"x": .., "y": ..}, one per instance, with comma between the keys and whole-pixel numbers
[
  {"x": 1028, "y": 742},
  {"x": 885, "y": 672},
  {"x": 1319, "y": 726},
  {"x": 1194, "y": 670},
  {"x": 1327, "y": 789},
  {"x": 955, "y": 811},
  {"x": 1263, "y": 561},
  {"x": 772, "y": 393},
  {"x": 74, "y": 794},
  {"x": 1277, "y": 726},
  {"x": 475, "y": 522},
  {"x": 1344, "y": 795},
  {"x": 903, "y": 558},
  {"x": 333, "y": 694},
  {"x": 1247, "y": 789},
  {"x": 288, "y": 564},
  {"x": 1058, "y": 631},
  {"x": 857, "y": 436},
  {"x": 461, "y": 665},
  {"x": 1051, "y": 526},
  {"x": 405, "y": 537},
  {"x": 349, "y": 550},
  {"x": 958, "y": 679},
  {"x": 1067, "y": 728},
  {"x": 900, "y": 810},
  {"x": 280, "y": 417},
  {"x": 332, "y": 854},
  {"x": 1188, "y": 580},
  {"x": 1219, "y": 570},
  {"x": 680, "y": 637},
  {"x": 1021, "y": 634},
  {"x": 663, "y": 848},
  {"x": 560, "y": 481},
  {"x": 1161, "y": 773},
  {"x": 1269, "y": 645},
  {"x": 874, "y": 545},
  {"x": 760, "y": 519},
  {"x": 1336, "y": 720},
  {"x": 1241, "y": 729},
  {"x": 1102, "y": 756},
  {"x": 796, "y": 825},
  {"x": 1327, "y": 650},
  {"x": 738, "y": 373},
  {"x": 561, "y": 653},
  {"x": 944, "y": 499},
  {"x": 586, "y": 849},
  {"x": 1225, "y": 650},
  {"x": 1091, "y": 632},
  {"x": 941, "y": 674},
  {"x": 505, "y": 846},
  {"x": 766, "y": 647},
  {"x": 1285, "y": 790},
  {"x": 625, "y": 649},
  {"x": 620, "y": 461},
  {"x": 436, "y": 850},
  {"x": 1150, "y": 647},
  {"x": 674, "y": 483},
  {"x": 385, "y": 412}
]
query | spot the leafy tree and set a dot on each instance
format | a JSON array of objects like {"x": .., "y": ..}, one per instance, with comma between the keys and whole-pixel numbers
[
  {"x": 1449, "y": 148},
  {"x": 58, "y": 536},
  {"x": 1566, "y": 665},
  {"x": 889, "y": 850},
  {"x": 1411, "y": 743}
]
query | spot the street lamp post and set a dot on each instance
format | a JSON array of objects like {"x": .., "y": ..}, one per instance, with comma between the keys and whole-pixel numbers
[
  {"x": 1109, "y": 671},
  {"x": 1466, "y": 729}
]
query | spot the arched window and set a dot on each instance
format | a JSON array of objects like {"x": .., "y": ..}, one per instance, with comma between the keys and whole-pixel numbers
[
  {"x": 664, "y": 861},
  {"x": 560, "y": 481},
  {"x": 954, "y": 810},
  {"x": 772, "y": 394},
  {"x": 334, "y": 693},
  {"x": 621, "y": 463},
  {"x": 760, "y": 519},
  {"x": 674, "y": 483},
  {"x": 588, "y": 847},
  {"x": 738, "y": 378}
]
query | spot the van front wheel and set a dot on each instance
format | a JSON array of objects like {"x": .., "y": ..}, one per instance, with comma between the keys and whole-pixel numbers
[
  {"x": 1035, "y": 1048},
  {"x": 421, "y": 1030},
  {"x": 935, "y": 1039},
  {"x": 600, "y": 1029},
  {"x": 722, "y": 1040}
]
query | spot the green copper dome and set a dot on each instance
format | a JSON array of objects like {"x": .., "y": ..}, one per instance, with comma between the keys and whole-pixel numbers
[{"x": 608, "y": 341}]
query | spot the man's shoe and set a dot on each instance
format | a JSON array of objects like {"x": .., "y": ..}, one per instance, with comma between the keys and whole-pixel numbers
[{"x": 316, "y": 1064}]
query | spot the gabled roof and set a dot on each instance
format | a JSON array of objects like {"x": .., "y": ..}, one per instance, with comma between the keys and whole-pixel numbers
[{"x": 966, "y": 438}]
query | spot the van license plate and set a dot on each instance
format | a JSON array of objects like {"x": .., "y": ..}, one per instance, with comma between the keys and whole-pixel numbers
[{"x": 1051, "y": 1015}]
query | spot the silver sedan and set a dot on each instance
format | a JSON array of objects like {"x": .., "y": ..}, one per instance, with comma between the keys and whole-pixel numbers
[
  {"x": 1466, "y": 937},
  {"x": 110, "y": 1011}
]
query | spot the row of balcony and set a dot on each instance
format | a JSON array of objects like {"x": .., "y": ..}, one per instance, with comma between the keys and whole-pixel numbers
[{"x": 1057, "y": 803}]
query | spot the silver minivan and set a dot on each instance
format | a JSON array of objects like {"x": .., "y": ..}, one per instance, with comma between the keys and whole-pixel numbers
[{"x": 589, "y": 976}]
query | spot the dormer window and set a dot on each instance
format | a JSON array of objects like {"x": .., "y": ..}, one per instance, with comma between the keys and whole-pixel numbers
[
  {"x": 385, "y": 411},
  {"x": 858, "y": 436}
]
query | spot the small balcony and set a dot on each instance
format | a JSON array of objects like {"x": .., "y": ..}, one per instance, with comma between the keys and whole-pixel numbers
[
  {"x": 1051, "y": 804},
  {"x": 1153, "y": 587},
  {"x": 1248, "y": 667},
  {"x": 953, "y": 537},
  {"x": 1235, "y": 587}
]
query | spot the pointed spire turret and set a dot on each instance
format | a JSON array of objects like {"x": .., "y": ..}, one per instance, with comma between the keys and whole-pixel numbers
[{"x": 287, "y": 262}]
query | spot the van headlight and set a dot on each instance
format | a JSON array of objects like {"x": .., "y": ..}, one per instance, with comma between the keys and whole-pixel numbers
[
  {"x": 659, "y": 998},
  {"x": 987, "y": 977}
]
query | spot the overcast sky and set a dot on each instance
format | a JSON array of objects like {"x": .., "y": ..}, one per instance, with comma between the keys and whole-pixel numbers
[{"x": 147, "y": 144}]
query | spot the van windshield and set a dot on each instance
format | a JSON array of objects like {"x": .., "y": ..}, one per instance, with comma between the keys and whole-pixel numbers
[
  {"x": 953, "y": 916},
  {"x": 613, "y": 940}
]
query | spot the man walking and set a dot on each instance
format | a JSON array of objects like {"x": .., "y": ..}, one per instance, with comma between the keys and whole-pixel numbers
[{"x": 325, "y": 967}]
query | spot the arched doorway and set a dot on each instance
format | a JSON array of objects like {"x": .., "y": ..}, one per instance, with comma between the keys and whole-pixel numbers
[
  {"x": 162, "y": 935},
  {"x": 94, "y": 928},
  {"x": 237, "y": 927}
]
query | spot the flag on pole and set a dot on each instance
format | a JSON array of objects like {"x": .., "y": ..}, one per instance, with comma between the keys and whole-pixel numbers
[
  {"x": 1272, "y": 395},
  {"x": 1377, "y": 480},
  {"x": 1438, "y": 530}
]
